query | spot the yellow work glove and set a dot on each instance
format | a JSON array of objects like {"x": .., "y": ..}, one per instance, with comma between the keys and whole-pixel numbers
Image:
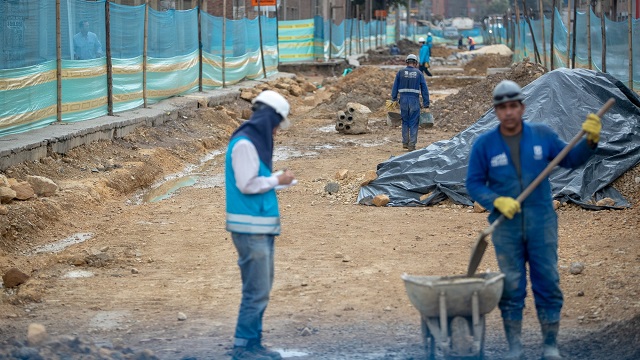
[
  {"x": 592, "y": 127},
  {"x": 391, "y": 105},
  {"x": 508, "y": 206},
  {"x": 426, "y": 64}
]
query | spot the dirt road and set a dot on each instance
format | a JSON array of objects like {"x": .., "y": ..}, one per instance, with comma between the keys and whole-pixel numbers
[{"x": 162, "y": 275}]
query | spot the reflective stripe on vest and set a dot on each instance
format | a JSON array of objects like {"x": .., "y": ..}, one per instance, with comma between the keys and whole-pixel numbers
[
  {"x": 409, "y": 91},
  {"x": 248, "y": 224}
]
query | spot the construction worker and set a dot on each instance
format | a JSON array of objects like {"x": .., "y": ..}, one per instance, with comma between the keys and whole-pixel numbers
[
  {"x": 430, "y": 40},
  {"x": 425, "y": 55},
  {"x": 472, "y": 43},
  {"x": 503, "y": 162},
  {"x": 253, "y": 218},
  {"x": 409, "y": 84}
]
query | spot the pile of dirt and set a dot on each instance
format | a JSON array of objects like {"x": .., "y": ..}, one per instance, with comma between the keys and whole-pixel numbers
[
  {"x": 458, "y": 111},
  {"x": 479, "y": 64},
  {"x": 442, "y": 51},
  {"x": 91, "y": 174},
  {"x": 615, "y": 341},
  {"x": 366, "y": 85}
]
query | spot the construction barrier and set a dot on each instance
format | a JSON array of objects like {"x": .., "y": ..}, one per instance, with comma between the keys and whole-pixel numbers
[
  {"x": 152, "y": 55},
  {"x": 588, "y": 45}
]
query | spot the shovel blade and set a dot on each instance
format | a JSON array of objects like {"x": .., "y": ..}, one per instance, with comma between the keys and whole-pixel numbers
[{"x": 477, "y": 253}]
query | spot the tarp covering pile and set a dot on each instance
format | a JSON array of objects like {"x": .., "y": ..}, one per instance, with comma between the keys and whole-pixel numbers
[{"x": 561, "y": 99}]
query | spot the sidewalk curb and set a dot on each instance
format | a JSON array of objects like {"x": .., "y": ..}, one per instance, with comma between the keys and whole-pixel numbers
[{"x": 62, "y": 137}]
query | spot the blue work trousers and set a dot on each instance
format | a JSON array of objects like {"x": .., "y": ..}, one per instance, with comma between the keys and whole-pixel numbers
[
  {"x": 255, "y": 259},
  {"x": 530, "y": 237},
  {"x": 410, "y": 112}
]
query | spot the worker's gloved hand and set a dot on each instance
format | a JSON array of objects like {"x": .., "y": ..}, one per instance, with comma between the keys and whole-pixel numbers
[
  {"x": 391, "y": 105},
  {"x": 592, "y": 127},
  {"x": 426, "y": 64},
  {"x": 508, "y": 206}
]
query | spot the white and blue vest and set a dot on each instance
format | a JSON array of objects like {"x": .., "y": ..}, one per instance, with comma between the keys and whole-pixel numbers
[{"x": 250, "y": 213}]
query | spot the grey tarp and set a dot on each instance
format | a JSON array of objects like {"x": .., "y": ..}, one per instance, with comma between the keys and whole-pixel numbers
[{"x": 561, "y": 99}]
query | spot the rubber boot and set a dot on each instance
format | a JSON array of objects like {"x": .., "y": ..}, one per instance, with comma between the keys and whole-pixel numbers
[
  {"x": 550, "y": 344},
  {"x": 513, "y": 331}
]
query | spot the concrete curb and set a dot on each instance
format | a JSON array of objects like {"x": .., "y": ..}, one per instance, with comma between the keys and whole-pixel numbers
[{"x": 62, "y": 137}]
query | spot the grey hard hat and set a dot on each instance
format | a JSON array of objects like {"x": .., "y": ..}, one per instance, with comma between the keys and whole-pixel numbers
[
  {"x": 506, "y": 91},
  {"x": 411, "y": 57}
]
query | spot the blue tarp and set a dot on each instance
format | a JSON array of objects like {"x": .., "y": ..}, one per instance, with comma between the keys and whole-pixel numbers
[{"x": 440, "y": 169}]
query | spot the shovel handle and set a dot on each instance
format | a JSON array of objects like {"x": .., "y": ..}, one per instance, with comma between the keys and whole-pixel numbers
[
  {"x": 476, "y": 258},
  {"x": 561, "y": 155}
]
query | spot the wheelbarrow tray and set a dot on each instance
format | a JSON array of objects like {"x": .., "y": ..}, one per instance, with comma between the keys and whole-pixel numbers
[{"x": 424, "y": 293}]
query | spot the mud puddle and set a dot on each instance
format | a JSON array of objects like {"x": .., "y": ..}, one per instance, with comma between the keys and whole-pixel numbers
[{"x": 60, "y": 245}]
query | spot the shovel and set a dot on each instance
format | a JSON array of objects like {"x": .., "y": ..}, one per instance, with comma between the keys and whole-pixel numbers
[{"x": 481, "y": 242}]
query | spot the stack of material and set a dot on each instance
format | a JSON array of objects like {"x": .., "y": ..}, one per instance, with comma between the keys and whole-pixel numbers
[{"x": 354, "y": 120}]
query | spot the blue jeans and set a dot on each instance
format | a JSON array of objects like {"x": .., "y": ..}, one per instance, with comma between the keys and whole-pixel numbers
[
  {"x": 255, "y": 259},
  {"x": 410, "y": 112},
  {"x": 530, "y": 237}
]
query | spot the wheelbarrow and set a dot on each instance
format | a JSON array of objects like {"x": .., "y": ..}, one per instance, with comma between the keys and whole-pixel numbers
[{"x": 452, "y": 311}]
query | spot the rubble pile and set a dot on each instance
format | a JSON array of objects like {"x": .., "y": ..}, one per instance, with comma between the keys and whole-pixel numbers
[
  {"x": 290, "y": 88},
  {"x": 458, "y": 111},
  {"x": 479, "y": 64},
  {"x": 367, "y": 85}
]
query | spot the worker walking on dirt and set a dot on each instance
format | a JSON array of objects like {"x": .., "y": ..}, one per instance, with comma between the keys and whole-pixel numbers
[
  {"x": 472, "y": 43},
  {"x": 253, "y": 217},
  {"x": 409, "y": 84},
  {"x": 503, "y": 162},
  {"x": 425, "y": 55}
]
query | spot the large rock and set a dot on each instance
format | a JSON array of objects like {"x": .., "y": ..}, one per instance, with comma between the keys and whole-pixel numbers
[
  {"x": 4, "y": 181},
  {"x": 14, "y": 277},
  {"x": 295, "y": 90},
  {"x": 369, "y": 176},
  {"x": 23, "y": 190},
  {"x": 247, "y": 95},
  {"x": 342, "y": 174},
  {"x": 309, "y": 87},
  {"x": 36, "y": 334},
  {"x": 6, "y": 194},
  {"x": 42, "y": 186},
  {"x": 381, "y": 200}
]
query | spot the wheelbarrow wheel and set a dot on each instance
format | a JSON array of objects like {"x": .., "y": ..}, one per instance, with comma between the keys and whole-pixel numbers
[{"x": 429, "y": 340}]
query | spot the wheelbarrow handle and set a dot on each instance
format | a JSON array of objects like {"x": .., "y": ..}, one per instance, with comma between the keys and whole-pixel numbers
[{"x": 481, "y": 242}]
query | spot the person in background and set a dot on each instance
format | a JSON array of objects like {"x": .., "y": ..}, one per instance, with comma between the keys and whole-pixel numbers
[
  {"x": 425, "y": 56},
  {"x": 429, "y": 40},
  {"x": 395, "y": 50},
  {"x": 461, "y": 42},
  {"x": 86, "y": 44},
  {"x": 503, "y": 162},
  {"x": 409, "y": 84},
  {"x": 472, "y": 43},
  {"x": 253, "y": 217}
]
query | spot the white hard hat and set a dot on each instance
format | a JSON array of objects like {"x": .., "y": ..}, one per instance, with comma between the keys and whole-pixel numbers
[
  {"x": 429, "y": 33},
  {"x": 411, "y": 57},
  {"x": 277, "y": 102},
  {"x": 421, "y": 39},
  {"x": 506, "y": 91}
]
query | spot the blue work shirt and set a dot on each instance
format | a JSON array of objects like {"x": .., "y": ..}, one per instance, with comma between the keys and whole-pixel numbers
[
  {"x": 491, "y": 172},
  {"x": 86, "y": 47},
  {"x": 410, "y": 83}
]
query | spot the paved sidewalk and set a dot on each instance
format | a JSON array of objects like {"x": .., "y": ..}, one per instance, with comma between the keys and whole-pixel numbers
[{"x": 61, "y": 137}]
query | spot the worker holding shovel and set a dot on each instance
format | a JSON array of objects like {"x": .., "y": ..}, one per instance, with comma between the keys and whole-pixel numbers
[{"x": 503, "y": 162}]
